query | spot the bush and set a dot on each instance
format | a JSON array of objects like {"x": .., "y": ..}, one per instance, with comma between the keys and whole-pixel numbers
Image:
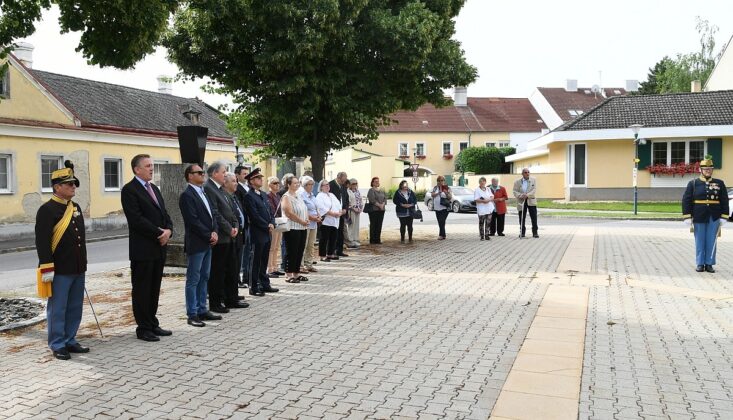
[
  {"x": 420, "y": 194},
  {"x": 484, "y": 160}
]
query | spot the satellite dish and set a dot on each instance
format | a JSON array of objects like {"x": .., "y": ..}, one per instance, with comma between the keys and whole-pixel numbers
[{"x": 595, "y": 89}]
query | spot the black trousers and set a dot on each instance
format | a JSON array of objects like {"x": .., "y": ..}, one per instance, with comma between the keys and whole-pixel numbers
[
  {"x": 441, "y": 215},
  {"x": 260, "y": 254},
  {"x": 223, "y": 265},
  {"x": 327, "y": 243},
  {"x": 497, "y": 223},
  {"x": 146, "y": 278},
  {"x": 231, "y": 285},
  {"x": 532, "y": 210},
  {"x": 341, "y": 234},
  {"x": 376, "y": 218},
  {"x": 295, "y": 244},
  {"x": 483, "y": 225},
  {"x": 405, "y": 224}
]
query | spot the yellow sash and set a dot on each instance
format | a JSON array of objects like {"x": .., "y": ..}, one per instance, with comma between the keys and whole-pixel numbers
[{"x": 44, "y": 288}]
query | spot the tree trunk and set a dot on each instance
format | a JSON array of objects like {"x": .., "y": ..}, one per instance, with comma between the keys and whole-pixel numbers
[{"x": 318, "y": 159}]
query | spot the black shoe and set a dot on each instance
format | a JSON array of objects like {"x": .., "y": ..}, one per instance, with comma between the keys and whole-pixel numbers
[
  {"x": 709, "y": 268},
  {"x": 196, "y": 322},
  {"x": 240, "y": 297},
  {"x": 77, "y": 348},
  {"x": 314, "y": 262},
  {"x": 208, "y": 316},
  {"x": 342, "y": 255},
  {"x": 700, "y": 268},
  {"x": 270, "y": 290},
  {"x": 256, "y": 293},
  {"x": 161, "y": 332},
  {"x": 500, "y": 234},
  {"x": 147, "y": 336},
  {"x": 535, "y": 236},
  {"x": 333, "y": 258},
  {"x": 278, "y": 272},
  {"x": 61, "y": 354},
  {"x": 272, "y": 275},
  {"x": 237, "y": 305},
  {"x": 220, "y": 309}
]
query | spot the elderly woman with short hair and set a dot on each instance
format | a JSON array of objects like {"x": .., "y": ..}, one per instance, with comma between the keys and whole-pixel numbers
[
  {"x": 307, "y": 185},
  {"x": 356, "y": 205},
  {"x": 377, "y": 202},
  {"x": 329, "y": 208}
]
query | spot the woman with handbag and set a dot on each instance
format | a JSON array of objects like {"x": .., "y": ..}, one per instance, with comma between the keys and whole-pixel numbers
[
  {"x": 405, "y": 201},
  {"x": 442, "y": 197},
  {"x": 484, "y": 208},
  {"x": 329, "y": 208},
  {"x": 273, "y": 198},
  {"x": 297, "y": 213},
  {"x": 375, "y": 209},
  {"x": 306, "y": 193}
]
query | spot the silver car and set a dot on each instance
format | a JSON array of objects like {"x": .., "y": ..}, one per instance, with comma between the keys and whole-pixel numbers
[{"x": 462, "y": 200}]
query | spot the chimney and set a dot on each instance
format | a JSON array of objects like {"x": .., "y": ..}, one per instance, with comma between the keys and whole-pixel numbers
[
  {"x": 460, "y": 96},
  {"x": 165, "y": 84},
  {"x": 695, "y": 86},
  {"x": 632, "y": 85},
  {"x": 24, "y": 52},
  {"x": 571, "y": 85}
]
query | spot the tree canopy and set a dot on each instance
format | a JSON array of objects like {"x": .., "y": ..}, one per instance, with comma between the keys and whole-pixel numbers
[
  {"x": 321, "y": 74},
  {"x": 484, "y": 160},
  {"x": 670, "y": 75}
]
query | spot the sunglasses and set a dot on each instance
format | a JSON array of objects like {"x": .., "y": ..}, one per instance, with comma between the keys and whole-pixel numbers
[{"x": 197, "y": 172}]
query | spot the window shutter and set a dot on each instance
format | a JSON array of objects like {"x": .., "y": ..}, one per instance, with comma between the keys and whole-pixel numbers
[
  {"x": 645, "y": 155},
  {"x": 715, "y": 149}
]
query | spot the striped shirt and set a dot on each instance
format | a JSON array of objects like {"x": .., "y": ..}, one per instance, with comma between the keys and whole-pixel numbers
[{"x": 299, "y": 208}]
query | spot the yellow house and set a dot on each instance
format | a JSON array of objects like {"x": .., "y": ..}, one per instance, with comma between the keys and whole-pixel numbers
[
  {"x": 432, "y": 138},
  {"x": 46, "y": 118},
  {"x": 592, "y": 157}
]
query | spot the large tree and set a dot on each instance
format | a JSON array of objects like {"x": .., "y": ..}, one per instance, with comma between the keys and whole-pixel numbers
[{"x": 310, "y": 76}]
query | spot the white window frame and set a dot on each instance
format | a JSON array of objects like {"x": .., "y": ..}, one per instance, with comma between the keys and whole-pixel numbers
[
  {"x": 5, "y": 85},
  {"x": 424, "y": 149},
  {"x": 104, "y": 174},
  {"x": 450, "y": 147},
  {"x": 156, "y": 173},
  {"x": 460, "y": 146},
  {"x": 407, "y": 149},
  {"x": 490, "y": 144},
  {"x": 60, "y": 165},
  {"x": 687, "y": 149},
  {"x": 571, "y": 165},
  {"x": 9, "y": 159},
  {"x": 503, "y": 144}
]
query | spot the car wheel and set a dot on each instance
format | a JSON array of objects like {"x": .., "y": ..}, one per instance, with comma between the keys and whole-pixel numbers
[
  {"x": 456, "y": 207},
  {"x": 429, "y": 205}
]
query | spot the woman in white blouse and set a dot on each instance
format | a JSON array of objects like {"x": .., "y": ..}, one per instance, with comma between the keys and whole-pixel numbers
[
  {"x": 297, "y": 213},
  {"x": 484, "y": 207},
  {"x": 329, "y": 208}
]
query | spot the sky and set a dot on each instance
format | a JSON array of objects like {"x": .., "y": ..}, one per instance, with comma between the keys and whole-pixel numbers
[{"x": 516, "y": 45}]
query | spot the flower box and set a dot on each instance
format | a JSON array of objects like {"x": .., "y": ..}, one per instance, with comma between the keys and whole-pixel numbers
[
  {"x": 404, "y": 157},
  {"x": 447, "y": 156},
  {"x": 674, "y": 169},
  {"x": 420, "y": 156}
]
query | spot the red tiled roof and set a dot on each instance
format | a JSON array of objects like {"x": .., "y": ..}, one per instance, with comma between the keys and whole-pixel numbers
[
  {"x": 584, "y": 99},
  {"x": 481, "y": 115}
]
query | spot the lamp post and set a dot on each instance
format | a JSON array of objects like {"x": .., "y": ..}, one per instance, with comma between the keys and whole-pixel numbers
[
  {"x": 239, "y": 159},
  {"x": 414, "y": 167},
  {"x": 635, "y": 129}
]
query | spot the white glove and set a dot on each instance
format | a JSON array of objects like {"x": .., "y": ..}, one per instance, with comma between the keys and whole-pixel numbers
[
  {"x": 723, "y": 221},
  {"x": 47, "y": 277}
]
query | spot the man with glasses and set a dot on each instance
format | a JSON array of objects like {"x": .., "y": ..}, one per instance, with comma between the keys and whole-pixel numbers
[
  {"x": 201, "y": 235},
  {"x": 62, "y": 263},
  {"x": 705, "y": 208},
  {"x": 525, "y": 189}
]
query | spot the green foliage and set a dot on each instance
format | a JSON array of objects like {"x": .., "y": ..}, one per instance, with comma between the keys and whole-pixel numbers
[
  {"x": 324, "y": 74},
  {"x": 650, "y": 206},
  {"x": 506, "y": 167},
  {"x": 391, "y": 192},
  {"x": 676, "y": 75},
  {"x": 17, "y": 20},
  {"x": 484, "y": 160}
]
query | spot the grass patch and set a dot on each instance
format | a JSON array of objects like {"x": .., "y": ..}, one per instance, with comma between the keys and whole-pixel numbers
[
  {"x": 612, "y": 215},
  {"x": 649, "y": 206}
]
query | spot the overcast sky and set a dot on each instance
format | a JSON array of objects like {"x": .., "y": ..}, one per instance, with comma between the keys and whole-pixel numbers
[{"x": 516, "y": 45}]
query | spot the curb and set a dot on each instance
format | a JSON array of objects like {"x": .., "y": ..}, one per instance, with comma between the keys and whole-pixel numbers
[
  {"x": 28, "y": 322},
  {"x": 32, "y": 247}
]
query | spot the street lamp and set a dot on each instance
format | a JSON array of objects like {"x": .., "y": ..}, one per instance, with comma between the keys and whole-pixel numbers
[
  {"x": 237, "y": 156},
  {"x": 637, "y": 141}
]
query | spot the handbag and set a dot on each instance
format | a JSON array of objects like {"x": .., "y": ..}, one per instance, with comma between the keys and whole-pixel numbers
[
  {"x": 445, "y": 202},
  {"x": 368, "y": 208},
  {"x": 417, "y": 213},
  {"x": 281, "y": 223}
]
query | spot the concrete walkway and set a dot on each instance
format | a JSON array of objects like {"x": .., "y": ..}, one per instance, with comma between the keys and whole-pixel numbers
[{"x": 590, "y": 321}]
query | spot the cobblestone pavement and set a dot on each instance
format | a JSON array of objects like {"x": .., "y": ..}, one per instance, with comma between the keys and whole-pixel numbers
[{"x": 428, "y": 330}]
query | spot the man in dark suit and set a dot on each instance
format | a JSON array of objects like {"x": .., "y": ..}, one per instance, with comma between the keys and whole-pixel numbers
[
  {"x": 261, "y": 224},
  {"x": 338, "y": 188},
  {"x": 201, "y": 234},
  {"x": 223, "y": 261},
  {"x": 242, "y": 188},
  {"x": 150, "y": 230},
  {"x": 232, "y": 281}
]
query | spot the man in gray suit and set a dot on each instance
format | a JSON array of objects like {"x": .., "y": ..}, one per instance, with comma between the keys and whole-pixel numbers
[
  {"x": 223, "y": 260},
  {"x": 525, "y": 190}
]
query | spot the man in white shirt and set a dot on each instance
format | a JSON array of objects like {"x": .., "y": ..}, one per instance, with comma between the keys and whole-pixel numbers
[{"x": 525, "y": 189}]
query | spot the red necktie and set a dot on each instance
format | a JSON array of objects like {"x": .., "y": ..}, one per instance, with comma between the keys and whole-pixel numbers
[{"x": 149, "y": 188}]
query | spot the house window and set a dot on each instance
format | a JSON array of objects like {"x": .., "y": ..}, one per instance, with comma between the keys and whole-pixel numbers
[
  {"x": 156, "y": 171},
  {"x": 403, "y": 150},
  {"x": 575, "y": 112},
  {"x": 420, "y": 149},
  {"x": 447, "y": 148},
  {"x": 679, "y": 151},
  {"x": 504, "y": 144},
  {"x": 5, "y": 175},
  {"x": 48, "y": 165},
  {"x": 577, "y": 164},
  {"x": 5, "y": 84},
  {"x": 112, "y": 174},
  {"x": 490, "y": 144},
  {"x": 462, "y": 146}
]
